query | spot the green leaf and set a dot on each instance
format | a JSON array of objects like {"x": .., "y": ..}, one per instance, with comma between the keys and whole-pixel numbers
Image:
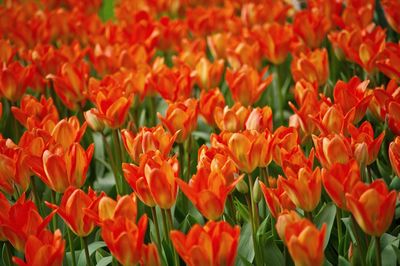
[
  {"x": 270, "y": 251},
  {"x": 347, "y": 223},
  {"x": 371, "y": 252},
  {"x": 397, "y": 252},
  {"x": 105, "y": 261},
  {"x": 388, "y": 254},
  {"x": 107, "y": 10},
  {"x": 92, "y": 248},
  {"x": 246, "y": 248},
  {"x": 343, "y": 261},
  {"x": 243, "y": 261},
  {"x": 326, "y": 216},
  {"x": 242, "y": 210}
]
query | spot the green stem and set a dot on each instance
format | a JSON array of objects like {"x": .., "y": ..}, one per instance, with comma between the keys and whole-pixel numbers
[
  {"x": 112, "y": 161},
  {"x": 165, "y": 224},
  {"x": 153, "y": 110},
  {"x": 84, "y": 245},
  {"x": 171, "y": 226},
  {"x": 181, "y": 161},
  {"x": 188, "y": 151},
  {"x": 378, "y": 251},
  {"x": 36, "y": 195},
  {"x": 71, "y": 246},
  {"x": 278, "y": 87},
  {"x": 231, "y": 208},
  {"x": 254, "y": 221},
  {"x": 9, "y": 253},
  {"x": 356, "y": 230},
  {"x": 340, "y": 229},
  {"x": 155, "y": 221}
]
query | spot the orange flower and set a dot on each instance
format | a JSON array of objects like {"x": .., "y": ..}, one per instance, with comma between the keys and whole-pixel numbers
[
  {"x": 61, "y": 170},
  {"x": 311, "y": 66},
  {"x": 250, "y": 150},
  {"x": 5, "y": 207},
  {"x": 21, "y": 221},
  {"x": 125, "y": 239},
  {"x": 231, "y": 119},
  {"x": 218, "y": 44},
  {"x": 246, "y": 84},
  {"x": 393, "y": 117},
  {"x": 260, "y": 119},
  {"x": 244, "y": 53},
  {"x": 94, "y": 122},
  {"x": 332, "y": 120},
  {"x": 295, "y": 159},
  {"x": 284, "y": 219},
  {"x": 36, "y": 114},
  {"x": 209, "y": 74},
  {"x": 150, "y": 255},
  {"x": 352, "y": 97},
  {"x": 44, "y": 248},
  {"x": 207, "y": 190},
  {"x": 73, "y": 210},
  {"x": 334, "y": 148},
  {"x": 339, "y": 180},
  {"x": 358, "y": 13},
  {"x": 181, "y": 118},
  {"x": 285, "y": 138},
  {"x": 147, "y": 139},
  {"x": 392, "y": 9},
  {"x": 394, "y": 155},
  {"x": 124, "y": 206},
  {"x": 389, "y": 61},
  {"x": 70, "y": 84},
  {"x": 365, "y": 147},
  {"x": 277, "y": 199},
  {"x": 267, "y": 11},
  {"x": 305, "y": 242},
  {"x": 305, "y": 182},
  {"x": 68, "y": 131},
  {"x": 209, "y": 101},
  {"x": 213, "y": 244},
  {"x": 311, "y": 26},
  {"x": 382, "y": 97},
  {"x": 373, "y": 206},
  {"x": 14, "y": 80},
  {"x": 153, "y": 180}
]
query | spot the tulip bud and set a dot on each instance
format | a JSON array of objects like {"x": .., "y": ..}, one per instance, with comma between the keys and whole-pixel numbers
[
  {"x": 93, "y": 121},
  {"x": 361, "y": 153},
  {"x": 257, "y": 191},
  {"x": 242, "y": 187}
]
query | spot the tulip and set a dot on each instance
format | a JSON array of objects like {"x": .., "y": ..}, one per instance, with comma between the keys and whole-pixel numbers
[
  {"x": 388, "y": 61},
  {"x": 312, "y": 67},
  {"x": 147, "y": 139},
  {"x": 124, "y": 206},
  {"x": 14, "y": 80},
  {"x": 391, "y": 8},
  {"x": 285, "y": 218},
  {"x": 22, "y": 221},
  {"x": 181, "y": 118},
  {"x": 209, "y": 74},
  {"x": 334, "y": 148},
  {"x": 150, "y": 255},
  {"x": 231, "y": 119},
  {"x": 277, "y": 199},
  {"x": 44, "y": 248},
  {"x": 218, "y": 43},
  {"x": 94, "y": 122},
  {"x": 339, "y": 180},
  {"x": 305, "y": 243},
  {"x": 295, "y": 159},
  {"x": 394, "y": 117},
  {"x": 260, "y": 119},
  {"x": 244, "y": 53},
  {"x": 5, "y": 206},
  {"x": 266, "y": 12},
  {"x": 154, "y": 180},
  {"x": 358, "y": 14},
  {"x": 394, "y": 155},
  {"x": 284, "y": 139},
  {"x": 208, "y": 191},
  {"x": 68, "y": 131},
  {"x": 124, "y": 238},
  {"x": 373, "y": 206},
  {"x": 73, "y": 210},
  {"x": 246, "y": 84},
  {"x": 213, "y": 244},
  {"x": 311, "y": 26},
  {"x": 209, "y": 101},
  {"x": 306, "y": 182}
]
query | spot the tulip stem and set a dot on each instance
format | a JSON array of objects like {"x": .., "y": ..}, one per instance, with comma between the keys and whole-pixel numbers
[
  {"x": 170, "y": 226},
  {"x": 378, "y": 251},
  {"x": 339, "y": 228},
  {"x": 36, "y": 195},
  {"x": 109, "y": 151},
  {"x": 356, "y": 230},
  {"x": 84, "y": 245},
  {"x": 181, "y": 161},
  {"x": 254, "y": 221},
  {"x": 71, "y": 247},
  {"x": 188, "y": 151},
  {"x": 155, "y": 221},
  {"x": 278, "y": 87},
  {"x": 119, "y": 156}
]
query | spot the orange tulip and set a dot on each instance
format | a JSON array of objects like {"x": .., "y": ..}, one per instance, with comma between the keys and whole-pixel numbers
[
  {"x": 36, "y": 114},
  {"x": 295, "y": 159},
  {"x": 125, "y": 239},
  {"x": 352, "y": 98},
  {"x": 7, "y": 167},
  {"x": 332, "y": 120},
  {"x": 277, "y": 199},
  {"x": 153, "y": 181},
  {"x": 334, "y": 148},
  {"x": 260, "y": 119},
  {"x": 358, "y": 14},
  {"x": 275, "y": 40},
  {"x": 306, "y": 182},
  {"x": 393, "y": 117},
  {"x": 45, "y": 248},
  {"x": 209, "y": 101},
  {"x": 231, "y": 119},
  {"x": 244, "y": 53},
  {"x": 339, "y": 180},
  {"x": 373, "y": 206},
  {"x": 264, "y": 12},
  {"x": 285, "y": 138},
  {"x": 73, "y": 210},
  {"x": 147, "y": 139},
  {"x": 181, "y": 118},
  {"x": 246, "y": 84},
  {"x": 209, "y": 74},
  {"x": 365, "y": 147},
  {"x": 388, "y": 61},
  {"x": 5, "y": 207},
  {"x": 392, "y": 9},
  {"x": 70, "y": 84},
  {"x": 208, "y": 190},
  {"x": 68, "y": 131},
  {"x": 311, "y": 66},
  {"x": 150, "y": 255},
  {"x": 394, "y": 155},
  {"x": 94, "y": 122},
  {"x": 22, "y": 221},
  {"x": 218, "y": 43},
  {"x": 14, "y": 80},
  {"x": 311, "y": 26},
  {"x": 213, "y": 244},
  {"x": 61, "y": 170},
  {"x": 250, "y": 150},
  {"x": 382, "y": 97},
  {"x": 124, "y": 206},
  {"x": 305, "y": 242},
  {"x": 284, "y": 219}
]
